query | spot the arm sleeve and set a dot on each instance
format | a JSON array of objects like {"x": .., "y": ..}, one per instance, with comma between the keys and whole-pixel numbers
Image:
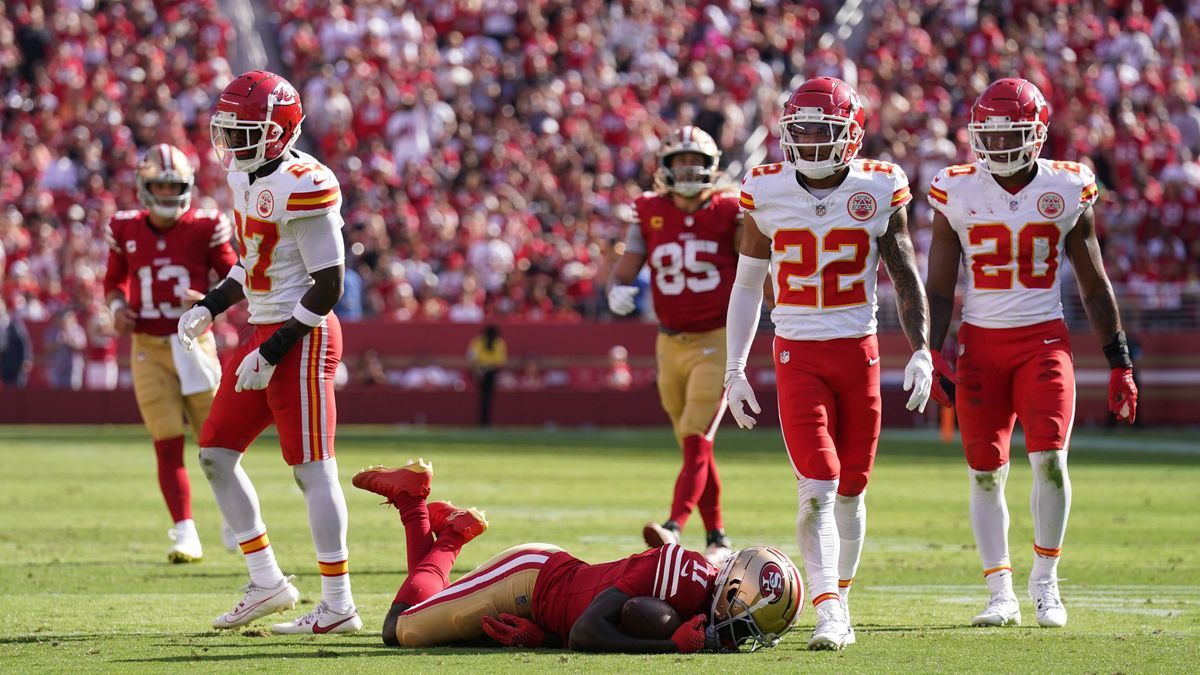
[
  {"x": 116, "y": 276},
  {"x": 634, "y": 241},
  {"x": 319, "y": 239},
  {"x": 745, "y": 304}
]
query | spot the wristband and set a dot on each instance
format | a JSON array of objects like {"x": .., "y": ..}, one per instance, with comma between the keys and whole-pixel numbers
[
  {"x": 215, "y": 302},
  {"x": 1117, "y": 352},
  {"x": 117, "y": 305},
  {"x": 306, "y": 316}
]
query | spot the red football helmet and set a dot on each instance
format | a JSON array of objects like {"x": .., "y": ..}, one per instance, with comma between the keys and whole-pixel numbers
[
  {"x": 1008, "y": 126},
  {"x": 824, "y": 120},
  {"x": 258, "y": 119}
]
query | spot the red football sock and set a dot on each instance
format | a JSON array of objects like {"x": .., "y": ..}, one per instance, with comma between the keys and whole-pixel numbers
[
  {"x": 433, "y": 573},
  {"x": 710, "y": 499},
  {"x": 173, "y": 478},
  {"x": 418, "y": 536},
  {"x": 697, "y": 455}
]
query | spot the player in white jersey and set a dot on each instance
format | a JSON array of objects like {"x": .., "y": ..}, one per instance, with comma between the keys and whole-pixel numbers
[
  {"x": 1008, "y": 219},
  {"x": 288, "y": 230},
  {"x": 824, "y": 219}
]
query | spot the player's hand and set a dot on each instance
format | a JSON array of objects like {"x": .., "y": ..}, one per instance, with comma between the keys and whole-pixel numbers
[
  {"x": 621, "y": 299},
  {"x": 1122, "y": 394},
  {"x": 737, "y": 392},
  {"x": 513, "y": 631},
  {"x": 689, "y": 637},
  {"x": 944, "y": 381},
  {"x": 918, "y": 377},
  {"x": 124, "y": 318},
  {"x": 253, "y": 373},
  {"x": 192, "y": 325}
]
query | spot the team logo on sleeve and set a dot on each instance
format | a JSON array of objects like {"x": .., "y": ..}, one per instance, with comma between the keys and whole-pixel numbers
[
  {"x": 861, "y": 206},
  {"x": 266, "y": 203},
  {"x": 770, "y": 582},
  {"x": 1051, "y": 205}
]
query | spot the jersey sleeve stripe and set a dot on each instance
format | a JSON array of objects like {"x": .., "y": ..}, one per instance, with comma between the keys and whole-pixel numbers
[
  {"x": 310, "y": 205},
  {"x": 901, "y": 197},
  {"x": 110, "y": 239},
  {"x": 316, "y": 194},
  {"x": 747, "y": 201},
  {"x": 676, "y": 570},
  {"x": 939, "y": 195},
  {"x": 1089, "y": 192}
]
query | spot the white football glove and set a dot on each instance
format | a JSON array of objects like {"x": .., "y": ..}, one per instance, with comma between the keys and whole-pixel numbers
[
  {"x": 253, "y": 373},
  {"x": 918, "y": 376},
  {"x": 737, "y": 392},
  {"x": 192, "y": 325},
  {"x": 620, "y": 299}
]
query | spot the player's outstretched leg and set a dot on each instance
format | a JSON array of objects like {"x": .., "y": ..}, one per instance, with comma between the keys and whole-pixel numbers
[
  {"x": 989, "y": 521},
  {"x": 335, "y": 613},
  {"x": 268, "y": 591},
  {"x": 406, "y": 489},
  {"x": 1050, "y": 502}
]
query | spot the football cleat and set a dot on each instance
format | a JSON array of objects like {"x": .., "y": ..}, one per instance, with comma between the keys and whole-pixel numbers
[
  {"x": 411, "y": 480},
  {"x": 833, "y": 630},
  {"x": 445, "y": 517},
  {"x": 719, "y": 548},
  {"x": 320, "y": 621},
  {"x": 656, "y": 535},
  {"x": 229, "y": 538},
  {"x": 1047, "y": 602},
  {"x": 1002, "y": 610},
  {"x": 259, "y": 602},
  {"x": 186, "y": 548}
]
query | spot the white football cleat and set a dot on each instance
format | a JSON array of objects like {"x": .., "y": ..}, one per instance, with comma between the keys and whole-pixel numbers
[
  {"x": 259, "y": 602},
  {"x": 716, "y": 555},
  {"x": 1002, "y": 610},
  {"x": 1047, "y": 602},
  {"x": 833, "y": 628},
  {"x": 186, "y": 548},
  {"x": 320, "y": 621},
  {"x": 228, "y": 538}
]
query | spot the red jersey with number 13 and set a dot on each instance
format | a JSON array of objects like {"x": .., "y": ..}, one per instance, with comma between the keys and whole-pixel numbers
[{"x": 692, "y": 257}]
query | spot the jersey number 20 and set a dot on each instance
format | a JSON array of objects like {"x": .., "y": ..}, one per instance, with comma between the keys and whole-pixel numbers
[{"x": 992, "y": 269}]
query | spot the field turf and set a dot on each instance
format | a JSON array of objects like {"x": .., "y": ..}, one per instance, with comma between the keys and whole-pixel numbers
[{"x": 84, "y": 585}]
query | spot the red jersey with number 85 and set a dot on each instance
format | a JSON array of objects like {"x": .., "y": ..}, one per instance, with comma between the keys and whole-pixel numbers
[
  {"x": 692, "y": 257},
  {"x": 155, "y": 269},
  {"x": 1013, "y": 243}
]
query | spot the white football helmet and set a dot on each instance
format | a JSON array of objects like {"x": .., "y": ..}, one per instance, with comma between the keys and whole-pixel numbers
[{"x": 758, "y": 596}]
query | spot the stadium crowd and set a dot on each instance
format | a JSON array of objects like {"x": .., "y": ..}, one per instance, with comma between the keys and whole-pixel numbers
[{"x": 488, "y": 150}]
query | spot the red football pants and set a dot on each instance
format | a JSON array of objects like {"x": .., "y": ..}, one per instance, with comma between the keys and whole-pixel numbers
[
  {"x": 1009, "y": 374},
  {"x": 298, "y": 399},
  {"x": 830, "y": 408}
]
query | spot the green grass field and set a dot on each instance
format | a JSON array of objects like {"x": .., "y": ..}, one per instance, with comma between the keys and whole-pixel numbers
[{"x": 84, "y": 584}]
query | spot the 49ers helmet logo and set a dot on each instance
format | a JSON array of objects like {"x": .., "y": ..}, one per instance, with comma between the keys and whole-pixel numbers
[
  {"x": 770, "y": 582},
  {"x": 1051, "y": 205},
  {"x": 266, "y": 203},
  {"x": 861, "y": 206}
]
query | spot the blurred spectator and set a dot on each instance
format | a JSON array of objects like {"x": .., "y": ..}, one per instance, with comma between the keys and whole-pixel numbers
[
  {"x": 618, "y": 376},
  {"x": 100, "y": 368},
  {"x": 487, "y": 354},
  {"x": 424, "y": 375},
  {"x": 16, "y": 349},
  {"x": 65, "y": 342},
  {"x": 371, "y": 371}
]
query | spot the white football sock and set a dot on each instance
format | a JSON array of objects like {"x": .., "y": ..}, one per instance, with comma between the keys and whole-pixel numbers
[
  {"x": 989, "y": 518},
  {"x": 238, "y": 503},
  {"x": 850, "y": 513},
  {"x": 1050, "y": 503},
  {"x": 185, "y": 525},
  {"x": 817, "y": 534},
  {"x": 327, "y": 521}
]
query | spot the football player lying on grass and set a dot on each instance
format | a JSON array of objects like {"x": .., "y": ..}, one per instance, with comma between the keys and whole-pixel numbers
[{"x": 665, "y": 600}]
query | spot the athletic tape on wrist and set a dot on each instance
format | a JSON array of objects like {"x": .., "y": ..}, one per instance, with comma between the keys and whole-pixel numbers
[{"x": 306, "y": 316}]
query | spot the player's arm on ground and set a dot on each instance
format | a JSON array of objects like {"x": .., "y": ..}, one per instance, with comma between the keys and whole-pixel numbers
[
  {"x": 896, "y": 249},
  {"x": 945, "y": 254},
  {"x": 116, "y": 285},
  {"x": 1083, "y": 249},
  {"x": 596, "y": 629}
]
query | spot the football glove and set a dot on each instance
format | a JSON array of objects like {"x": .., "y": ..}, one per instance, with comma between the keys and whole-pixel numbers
[
  {"x": 253, "y": 373},
  {"x": 918, "y": 377},
  {"x": 192, "y": 325},
  {"x": 737, "y": 392},
  {"x": 1122, "y": 394},
  {"x": 513, "y": 631},
  {"x": 944, "y": 381},
  {"x": 621, "y": 299},
  {"x": 689, "y": 637}
]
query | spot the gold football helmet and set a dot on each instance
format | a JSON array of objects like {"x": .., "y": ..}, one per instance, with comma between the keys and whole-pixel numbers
[
  {"x": 758, "y": 597},
  {"x": 165, "y": 164},
  {"x": 691, "y": 180}
]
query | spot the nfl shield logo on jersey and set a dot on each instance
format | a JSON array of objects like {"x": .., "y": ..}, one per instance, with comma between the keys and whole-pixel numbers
[
  {"x": 861, "y": 206},
  {"x": 820, "y": 209},
  {"x": 784, "y": 357},
  {"x": 1051, "y": 205}
]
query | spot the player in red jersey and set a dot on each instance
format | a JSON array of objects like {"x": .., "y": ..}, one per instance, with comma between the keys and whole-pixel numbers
[
  {"x": 538, "y": 594},
  {"x": 1008, "y": 219},
  {"x": 159, "y": 262},
  {"x": 820, "y": 223},
  {"x": 288, "y": 226},
  {"x": 688, "y": 232}
]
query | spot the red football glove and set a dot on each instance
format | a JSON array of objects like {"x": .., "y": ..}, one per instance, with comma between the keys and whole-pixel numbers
[
  {"x": 1122, "y": 394},
  {"x": 689, "y": 637},
  {"x": 944, "y": 381},
  {"x": 513, "y": 631}
]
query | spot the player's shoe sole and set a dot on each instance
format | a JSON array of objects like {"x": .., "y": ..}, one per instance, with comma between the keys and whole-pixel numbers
[
  {"x": 445, "y": 517},
  {"x": 656, "y": 535},
  {"x": 180, "y": 557},
  {"x": 411, "y": 480}
]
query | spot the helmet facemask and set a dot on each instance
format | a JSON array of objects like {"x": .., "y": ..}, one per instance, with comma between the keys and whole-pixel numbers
[
  {"x": 731, "y": 619},
  {"x": 688, "y": 173},
  {"x": 1004, "y": 147},
  {"x": 818, "y": 145},
  {"x": 241, "y": 145},
  {"x": 168, "y": 206}
]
